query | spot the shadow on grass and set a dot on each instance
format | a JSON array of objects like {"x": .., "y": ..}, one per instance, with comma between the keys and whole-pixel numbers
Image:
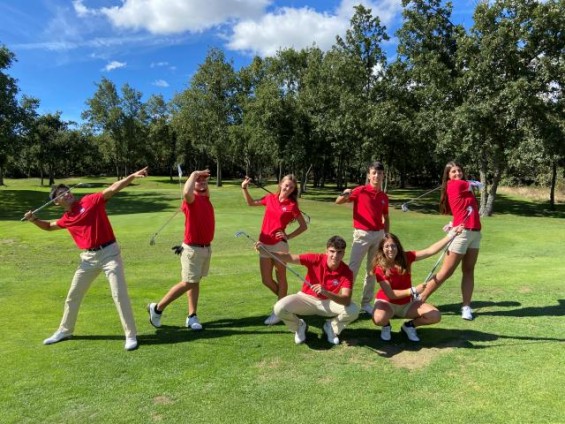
[
  {"x": 431, "y": 338},
  {"x": 14, "y": 203},
  {"x": 167, "y": 334},
  {"x": 530, "y": 311}
]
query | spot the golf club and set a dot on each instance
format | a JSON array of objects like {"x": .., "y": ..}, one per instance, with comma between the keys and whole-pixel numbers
[
  {"x": 404, "y": 206},
  {"x": 445, "y": 249},
  {"x": 302, "y": 279},
  {"x": 304, "y": 214},
  {"x": 154, "y": 236},
  {"x": 52, "y": 200}
]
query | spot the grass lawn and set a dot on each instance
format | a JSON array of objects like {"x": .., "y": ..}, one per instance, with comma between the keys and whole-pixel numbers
[{"x": 504, "y": 367}]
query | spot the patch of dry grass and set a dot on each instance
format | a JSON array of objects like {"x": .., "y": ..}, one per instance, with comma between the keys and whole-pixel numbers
[{"x": 534, "y": 193}]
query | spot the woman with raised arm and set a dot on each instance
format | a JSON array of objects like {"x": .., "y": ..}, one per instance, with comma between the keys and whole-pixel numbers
[
  {"x": 396, "y": 296},
  {"x": 457, "y": 198},
  {"x": 281, "y": 208}
]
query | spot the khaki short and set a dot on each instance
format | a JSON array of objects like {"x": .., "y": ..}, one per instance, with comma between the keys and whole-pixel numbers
[
  {"x": 466, "y": 240},
  {"x": 281, "y": 246},
  {"x": 195, "y": 263},
  {"x": 399, "y": 311}
]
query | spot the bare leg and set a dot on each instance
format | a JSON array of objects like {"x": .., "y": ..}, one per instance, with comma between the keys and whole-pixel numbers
[
  {"x": 192, "y": 294},
  {"x": 281, "y": 278},
  {"x": 449, "y": 265},
  {"x": 382, "y": 314},
  {"x": 266, "y": 266},
  {"x": 468, "y": 277},
  {"x": 423, "y": 314},
  {"x": 174, "y": 293}
]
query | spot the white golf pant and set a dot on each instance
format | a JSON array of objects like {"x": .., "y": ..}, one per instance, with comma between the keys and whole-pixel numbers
[
  {"x": 108, "y": 260},
  {"x": 303, "y": 304},
  {"x": 365, "y": 243}
]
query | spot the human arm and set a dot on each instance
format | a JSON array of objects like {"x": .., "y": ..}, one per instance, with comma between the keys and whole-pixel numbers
[
  {"x": 438, "y": 245},
  {"x": 302, "y": 226},
  {"x": 188, "y": 189},
  {"x": 394, "y": 293},
  {"x": 386, "y": 223},
  {"x": 109, "y": 192},
  {"x": 40, "y": 223},
  {"x": 285, "y": 257},
  {"x": 343, "y": 197},
  {"x": 343, "y": 297},
  {"x": 244, "y": 188}
]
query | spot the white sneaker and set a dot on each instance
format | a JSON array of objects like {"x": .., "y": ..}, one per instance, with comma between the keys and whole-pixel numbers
[
  {"x": 131, "y": 343},
  {"x": 385, "y": 333},
  {"x": 193, "y": 323},
  {"x": 368, "y": 309},
  {"x": 411, "y": 333},
  {"x": 300, "y": 334},
  {"x": 57, "y": 337},
  {"x": 467, "y": 313},
  {"x": 154, "y": 317},
  {"x": 272, "y": 319},
  {"x": 332, "y": 338}
]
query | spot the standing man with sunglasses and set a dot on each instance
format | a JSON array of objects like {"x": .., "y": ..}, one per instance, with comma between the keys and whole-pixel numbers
[{"x": 87, "y": 222}]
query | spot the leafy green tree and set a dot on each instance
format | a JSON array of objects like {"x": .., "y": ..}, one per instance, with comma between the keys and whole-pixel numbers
[
  {"x": 10, "y": 113},
  {"x": 206, "y": 110},
  {"x": 122, "y": 120},
  {"x": 498, "y": 83}
]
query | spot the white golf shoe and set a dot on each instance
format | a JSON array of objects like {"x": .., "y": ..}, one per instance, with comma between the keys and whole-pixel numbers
[
  {"x": 154, "y": 317},
  {"x": 193, "y": 323},
  {"x": 332, "y": 337},
  {"x": 300, "y": 334},
  {"x": 57, "y": 337},
  {"x": 467, "y": 313},
  {"x": 131, "y": 343},
  {"x": 272, "y": 319},
  {"x": 410, "y": 332},
  {"x": 385, "y": 333}
]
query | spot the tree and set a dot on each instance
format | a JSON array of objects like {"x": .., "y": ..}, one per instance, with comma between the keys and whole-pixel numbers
[
  {"x": 122, "y": 120},
  {"x": 205, "y": 111},
  {"x": 10, "y": 113}
]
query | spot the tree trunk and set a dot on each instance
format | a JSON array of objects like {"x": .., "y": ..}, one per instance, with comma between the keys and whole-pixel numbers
[
  {"x": 553, "y": 184},
  {"x": 491, "y": 196},
  {"x": 1, "y": 175},
  {"x": 218, "y": 173}
]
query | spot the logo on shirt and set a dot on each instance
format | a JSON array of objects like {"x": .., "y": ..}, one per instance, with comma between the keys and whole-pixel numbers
[
  {"x": 81, "y": 210},
  {"x": 283, "y": 208},
  {"x": 335, "y": 283}
]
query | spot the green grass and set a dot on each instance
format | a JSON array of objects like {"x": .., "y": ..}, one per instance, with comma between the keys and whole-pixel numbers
[{"x": 506, "y": 366}]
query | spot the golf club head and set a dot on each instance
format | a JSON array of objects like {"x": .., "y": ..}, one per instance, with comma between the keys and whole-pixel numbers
[
  {"x": 241, "y": 234},
  {"x": 404, "y": 207},
  {"x": 152, "y": 241}
]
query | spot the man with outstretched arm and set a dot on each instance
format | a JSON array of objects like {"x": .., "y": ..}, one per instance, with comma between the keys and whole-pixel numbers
[
  {"x": 326, "y": 292},
  {"x": 195, "y": 252},
  {"x": 87, "y": 222}
]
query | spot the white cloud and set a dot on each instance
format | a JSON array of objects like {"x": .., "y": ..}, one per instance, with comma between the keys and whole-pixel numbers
[
  {"x": 161, "y": 83},
  {"x": 114, "y": 65},
  {"x": 175, "y": 16},
  {"x": 300, "y": 28},
  {"x": 158, "y": 64}
]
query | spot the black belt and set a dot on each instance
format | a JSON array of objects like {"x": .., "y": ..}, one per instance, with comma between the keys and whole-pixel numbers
[
  {"x": 198, "y": 245},
  {"x": 471, "y": 229},
  {"x": 102, "y": 246}
]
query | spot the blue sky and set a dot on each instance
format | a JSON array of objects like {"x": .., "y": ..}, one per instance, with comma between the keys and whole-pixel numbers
[{"x": 64, "y": 47}]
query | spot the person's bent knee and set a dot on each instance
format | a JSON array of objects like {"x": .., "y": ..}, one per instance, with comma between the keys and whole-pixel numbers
[{"x": 433, "y": 317}]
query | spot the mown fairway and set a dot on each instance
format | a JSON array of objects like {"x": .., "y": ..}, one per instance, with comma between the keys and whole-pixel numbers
[{"x": 506, "y": 366}]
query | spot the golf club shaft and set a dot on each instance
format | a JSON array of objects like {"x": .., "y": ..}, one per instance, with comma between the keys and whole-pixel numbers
[
  {"x": 422, "y": 195},
  {"x": 152, "y": 241},
  {"x": 51, "y": 201}
]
